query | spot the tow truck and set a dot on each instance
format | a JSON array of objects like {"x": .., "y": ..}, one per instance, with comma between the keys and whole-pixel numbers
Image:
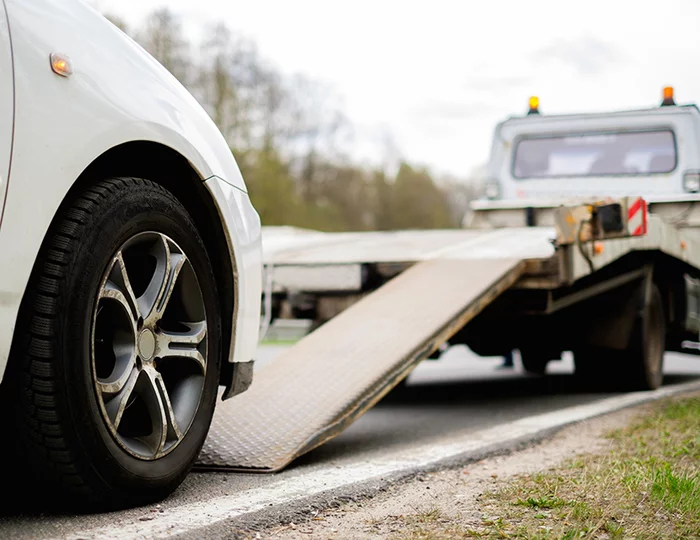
[
  {"x": 587, "y": 241},
  {"x": 651, "y": 152}
]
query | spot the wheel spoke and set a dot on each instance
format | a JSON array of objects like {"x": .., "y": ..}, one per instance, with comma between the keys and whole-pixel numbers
[
  {"x": 117, "y": 404},
  {"x": 155, "y": 440},
  {"x": 165, "y": 426},
  {"x": 184, "y": 344},
  {"x": 154, "y": 300},
  {"x": 171, "y": 421},
  {"x": 118, "y": 287},
  {"x": 123, "y": 368}
]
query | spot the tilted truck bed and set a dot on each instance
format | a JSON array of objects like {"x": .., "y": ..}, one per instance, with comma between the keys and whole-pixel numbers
[
  {"x": 318, "y": 387},
  {"x": 312, "y": 261}
]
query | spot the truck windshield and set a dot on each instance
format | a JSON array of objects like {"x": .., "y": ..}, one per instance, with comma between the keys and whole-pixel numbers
[{"x": 595, "y": 154}]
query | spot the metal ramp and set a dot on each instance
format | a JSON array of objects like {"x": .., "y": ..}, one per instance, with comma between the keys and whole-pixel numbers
[{"x": 316, "y": 389}]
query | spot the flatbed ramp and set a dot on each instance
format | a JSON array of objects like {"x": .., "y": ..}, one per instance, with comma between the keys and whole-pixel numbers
[{"x": 316, "y": 389}]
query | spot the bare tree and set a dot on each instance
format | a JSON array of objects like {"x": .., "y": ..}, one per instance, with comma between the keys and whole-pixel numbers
[
  {"x": 241, "y": 93},
  {"x": 287, "y": 133},
  {"x": 118, "y": 22},
  {"x": 162, "y": 36},
  {"x": 215, "y": 82}
]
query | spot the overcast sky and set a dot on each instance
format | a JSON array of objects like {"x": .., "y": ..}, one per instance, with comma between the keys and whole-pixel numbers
[{"x": 439, "y": 74}]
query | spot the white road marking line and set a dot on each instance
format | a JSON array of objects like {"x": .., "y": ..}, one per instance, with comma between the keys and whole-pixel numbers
[{"x": 187, "y": 518}]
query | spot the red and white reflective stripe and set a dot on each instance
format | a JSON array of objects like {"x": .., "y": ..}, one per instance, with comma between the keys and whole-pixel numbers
[{"x": 637, "y": 217}]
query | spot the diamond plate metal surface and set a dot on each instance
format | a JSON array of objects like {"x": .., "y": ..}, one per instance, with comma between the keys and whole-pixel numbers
[{"x": 317, "y": 388}]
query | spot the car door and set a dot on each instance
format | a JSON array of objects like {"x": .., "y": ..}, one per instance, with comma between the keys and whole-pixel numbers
[{"x": 6, "y": 105}]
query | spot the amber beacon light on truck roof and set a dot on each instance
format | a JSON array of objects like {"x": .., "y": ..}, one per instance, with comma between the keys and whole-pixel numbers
[
  {"x": 668, "y": 100},
  {"x": 534, "y": 105},
  {"x": 668, "y": 97}
]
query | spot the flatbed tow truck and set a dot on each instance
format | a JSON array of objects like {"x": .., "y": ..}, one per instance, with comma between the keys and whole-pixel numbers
[{"x": 612, "y": 277}]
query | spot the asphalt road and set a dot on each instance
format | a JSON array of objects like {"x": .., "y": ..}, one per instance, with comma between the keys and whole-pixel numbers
[{"x": 456, "y": 395}]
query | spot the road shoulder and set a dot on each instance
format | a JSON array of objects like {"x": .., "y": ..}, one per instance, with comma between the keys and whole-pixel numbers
[{"x": 467, "y": 501}]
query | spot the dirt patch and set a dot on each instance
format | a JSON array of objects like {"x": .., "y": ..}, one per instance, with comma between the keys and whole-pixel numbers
[{"x": 452, "y": 501}]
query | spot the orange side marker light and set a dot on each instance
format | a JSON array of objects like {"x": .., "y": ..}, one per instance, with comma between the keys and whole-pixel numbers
[{"x": 61, "y": 65}]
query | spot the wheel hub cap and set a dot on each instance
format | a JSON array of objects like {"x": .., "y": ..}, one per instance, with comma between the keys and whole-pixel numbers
[{"x": 149, "y": 345}]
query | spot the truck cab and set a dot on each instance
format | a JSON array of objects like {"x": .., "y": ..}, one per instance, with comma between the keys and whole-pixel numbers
[{"x": 651, "y": 152}]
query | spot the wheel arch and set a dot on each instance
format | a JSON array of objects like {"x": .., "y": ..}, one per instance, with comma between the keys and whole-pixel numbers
[{"x": 160, "y": 163}]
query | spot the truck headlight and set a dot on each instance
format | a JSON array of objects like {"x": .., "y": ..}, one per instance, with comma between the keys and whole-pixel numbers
[
  {"x": 492, "y": 190},
  {"x": 691, "y": 181}
]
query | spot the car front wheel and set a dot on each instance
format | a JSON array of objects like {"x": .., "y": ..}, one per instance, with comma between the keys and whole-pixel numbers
[{"x": 116, "y": 357}]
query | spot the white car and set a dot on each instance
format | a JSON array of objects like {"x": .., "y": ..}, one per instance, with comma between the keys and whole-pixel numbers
[{"x": 130, "y": 260}]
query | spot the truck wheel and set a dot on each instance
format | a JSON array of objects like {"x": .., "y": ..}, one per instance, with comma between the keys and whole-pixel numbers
[
  {"x": 643, "y": 361},
  {"x": 534, "y": 361},
  {"x": 640, "y": 366},
  {"x": 116, "y": 358}
]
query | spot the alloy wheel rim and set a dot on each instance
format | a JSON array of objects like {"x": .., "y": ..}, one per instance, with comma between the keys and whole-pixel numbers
[{"x": 149, "y": 345}]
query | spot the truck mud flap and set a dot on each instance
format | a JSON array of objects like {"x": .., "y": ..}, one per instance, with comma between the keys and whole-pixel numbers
[{"x": 321, "y": 385}]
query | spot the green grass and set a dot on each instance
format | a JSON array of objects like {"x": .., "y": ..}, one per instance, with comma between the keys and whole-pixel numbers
[
  {"x": 541, "y": 502},
  {"x": 647, "y": 486},
  {"x": 678, "y": 492}
]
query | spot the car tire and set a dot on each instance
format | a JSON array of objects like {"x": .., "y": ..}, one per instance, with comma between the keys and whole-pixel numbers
[{"x": 92, "y": 369}]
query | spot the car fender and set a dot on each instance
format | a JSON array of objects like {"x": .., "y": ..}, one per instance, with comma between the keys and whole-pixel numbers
[{"x": 117, "y": 93}]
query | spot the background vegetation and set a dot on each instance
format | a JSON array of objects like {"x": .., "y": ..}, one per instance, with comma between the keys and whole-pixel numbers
[{"x": 287, "y": 132}]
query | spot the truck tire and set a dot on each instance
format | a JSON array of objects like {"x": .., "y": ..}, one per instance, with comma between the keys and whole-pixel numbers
[
  {"x": 640, "y": 366},
  {"x": 116, "y": 359},
  {"x": 534, "y": 361},
  {"x": 643, "y": 361}
]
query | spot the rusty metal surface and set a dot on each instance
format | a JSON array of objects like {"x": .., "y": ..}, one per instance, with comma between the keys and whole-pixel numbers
[{"x": 320, "y": 386}]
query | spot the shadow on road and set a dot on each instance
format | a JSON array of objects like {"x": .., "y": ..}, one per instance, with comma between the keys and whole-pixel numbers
[
  {"x": 471, "y": 391},
  {"x": 418, "y": 413},
  {"x": 413, "y": 414}
]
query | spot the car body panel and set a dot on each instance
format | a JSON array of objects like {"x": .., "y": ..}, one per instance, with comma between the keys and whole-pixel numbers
[
  {"x": 118, "y": 93},
  {"x": 242, "y": 220},
  {"x": 6, "y": 105}
]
